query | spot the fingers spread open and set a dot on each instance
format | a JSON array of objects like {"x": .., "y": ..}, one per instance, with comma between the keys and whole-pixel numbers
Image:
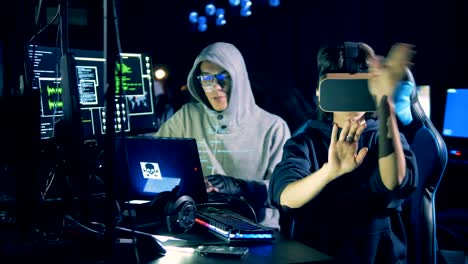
[
  {"x": 345, "y": 132},
  {"x": 361, "y": 155},
  {"x": 334, "y": 133},
  {"x": 353, "y": 128},
  {"x": 359, "y": 131}
]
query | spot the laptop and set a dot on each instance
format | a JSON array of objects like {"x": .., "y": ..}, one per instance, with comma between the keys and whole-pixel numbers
[
  {"x": 146, "y": 166},
  {"x": 158, "y": 165}
]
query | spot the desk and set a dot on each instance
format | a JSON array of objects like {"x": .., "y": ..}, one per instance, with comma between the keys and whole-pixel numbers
[
  {"x": 282, "y": 251},
  {"x": 92, "y": 251},
  {"x": 279, "y": 251}
]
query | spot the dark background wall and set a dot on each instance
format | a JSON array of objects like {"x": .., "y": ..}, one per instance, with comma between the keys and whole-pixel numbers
[{"x": 279, "y": 43}]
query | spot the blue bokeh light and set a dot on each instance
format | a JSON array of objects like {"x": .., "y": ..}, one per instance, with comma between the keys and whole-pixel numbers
[
  {"x": 210, "y": 9},
  {"x": 193, "y": 17},
  {"x": 245, "y": 3},
  {"x": 274, "y": 2},
  {"x": 234, "y": 2},
  {"x": 219, "y": 12},
  {"x": 245, "y": 12},
  {"x": 202, "y": 20},
  {"x": 202, "y": 27},
  {"x": 220, "y": 21}
]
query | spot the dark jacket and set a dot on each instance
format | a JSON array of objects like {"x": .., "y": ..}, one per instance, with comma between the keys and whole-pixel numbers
[{"x": 355, "y": 217}]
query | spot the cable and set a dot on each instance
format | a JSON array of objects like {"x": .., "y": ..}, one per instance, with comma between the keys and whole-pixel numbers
[
  {"x": 57, "y": 76},
  {"x": 38, "y": 32},
  {"x": 112, "y": 97},
  {"x": 49, "y": 182},
  {"x": 76, "y": 222},
  {"x": 47, "y": 25}
]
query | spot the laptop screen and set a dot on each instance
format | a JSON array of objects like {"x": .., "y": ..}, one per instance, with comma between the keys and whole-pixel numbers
[{"x": 158, "y": 165}]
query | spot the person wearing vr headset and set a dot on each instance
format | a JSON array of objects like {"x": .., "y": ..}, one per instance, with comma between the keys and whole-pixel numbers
[
  {"x": 239, "y": 143},
  {"x": 344, "y": 176}
]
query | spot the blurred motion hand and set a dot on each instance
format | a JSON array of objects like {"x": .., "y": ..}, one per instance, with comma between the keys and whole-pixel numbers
[{"x": 387, "y": 74}]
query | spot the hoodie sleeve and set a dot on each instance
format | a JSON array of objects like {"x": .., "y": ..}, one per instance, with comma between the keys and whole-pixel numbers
[
  {"x": 280, "y": 134},
  {"x": 295, "y": 165},
  {"x": 395, "y": 197},
  {"x": 174, "y": 126}
]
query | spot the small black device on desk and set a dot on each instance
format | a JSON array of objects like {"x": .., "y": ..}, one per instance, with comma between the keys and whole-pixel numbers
[{"x": 222, "y": 251}]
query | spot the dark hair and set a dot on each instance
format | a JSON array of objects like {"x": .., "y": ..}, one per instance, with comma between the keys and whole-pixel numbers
[{"x": 344, "y": 57}]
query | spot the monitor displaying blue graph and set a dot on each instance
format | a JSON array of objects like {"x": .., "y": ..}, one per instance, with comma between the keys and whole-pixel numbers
[{"x": 455, "y": 116}]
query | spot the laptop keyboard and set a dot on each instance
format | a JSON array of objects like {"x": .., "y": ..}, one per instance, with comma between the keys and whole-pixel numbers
[{"x": 232, "y": 226}]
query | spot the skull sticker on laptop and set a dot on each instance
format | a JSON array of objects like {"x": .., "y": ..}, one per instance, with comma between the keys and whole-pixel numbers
[{"x": 150, "y": 170}]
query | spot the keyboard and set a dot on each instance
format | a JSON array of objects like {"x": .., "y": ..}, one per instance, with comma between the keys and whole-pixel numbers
[{"x": 232, "y": 226}]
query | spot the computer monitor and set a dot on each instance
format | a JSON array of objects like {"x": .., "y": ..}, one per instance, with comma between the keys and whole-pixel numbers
[
  {"x": 424, "y": 98},
  {"x": 137, "y": 109},
  {"x": 455, "y": 124}
]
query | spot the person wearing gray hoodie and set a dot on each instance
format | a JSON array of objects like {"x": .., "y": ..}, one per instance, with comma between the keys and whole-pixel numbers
[{"x": 239, "y": 143}]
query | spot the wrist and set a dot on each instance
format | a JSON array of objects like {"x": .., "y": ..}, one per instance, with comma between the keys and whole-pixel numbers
[
  {"x": 383, "y": 99},
  {"x": 378, "y": 100},
  {"x": 328, "y": 172}
]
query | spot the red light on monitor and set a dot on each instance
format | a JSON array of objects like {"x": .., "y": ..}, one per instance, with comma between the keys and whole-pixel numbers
[
  {"x": 456, "y": 153},
  {"x": 195, "y": 169}
]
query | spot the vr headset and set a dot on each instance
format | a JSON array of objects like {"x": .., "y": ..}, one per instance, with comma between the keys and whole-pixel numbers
[{"x": 347, "y": 92}]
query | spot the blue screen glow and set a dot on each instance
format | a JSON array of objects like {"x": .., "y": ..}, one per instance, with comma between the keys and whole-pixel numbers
[{"x": 455, "y": 117}]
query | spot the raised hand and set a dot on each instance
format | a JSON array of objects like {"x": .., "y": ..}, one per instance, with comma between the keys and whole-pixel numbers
[
  {"x": 388, "y": 72},
  {"x": 343, "y": 155}
]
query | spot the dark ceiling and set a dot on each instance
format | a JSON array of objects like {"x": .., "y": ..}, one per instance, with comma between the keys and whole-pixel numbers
[
  {"x": 279, "y": 43},
  {"x": 288, "y": 34},
  {"x": 293, "y": 30}
]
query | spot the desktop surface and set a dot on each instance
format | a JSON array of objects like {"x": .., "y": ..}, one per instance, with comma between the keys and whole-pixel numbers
[
  {"x": 179, "y": 248},
  {"x": 280, "y": 250}
]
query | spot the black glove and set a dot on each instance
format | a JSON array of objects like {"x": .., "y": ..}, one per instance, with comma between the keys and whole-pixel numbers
[
  {"x": 226, "y": 184},
  {"x": 254, "y": 192}
]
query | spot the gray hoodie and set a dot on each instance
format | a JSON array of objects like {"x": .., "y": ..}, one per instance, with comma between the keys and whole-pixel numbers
[{"x": 243, "y": 141}]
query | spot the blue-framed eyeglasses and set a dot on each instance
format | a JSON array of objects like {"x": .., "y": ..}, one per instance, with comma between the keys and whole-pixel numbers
[{"x": 208, "y": 80}]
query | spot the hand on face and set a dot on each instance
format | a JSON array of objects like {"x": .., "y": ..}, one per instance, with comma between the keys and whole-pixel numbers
[
  {"x": 343, "y": 156},
  {"x": 386, "y": 75}
]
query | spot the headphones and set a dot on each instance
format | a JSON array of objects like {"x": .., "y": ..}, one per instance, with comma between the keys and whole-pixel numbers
[{"x": 176, "y": 213}]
